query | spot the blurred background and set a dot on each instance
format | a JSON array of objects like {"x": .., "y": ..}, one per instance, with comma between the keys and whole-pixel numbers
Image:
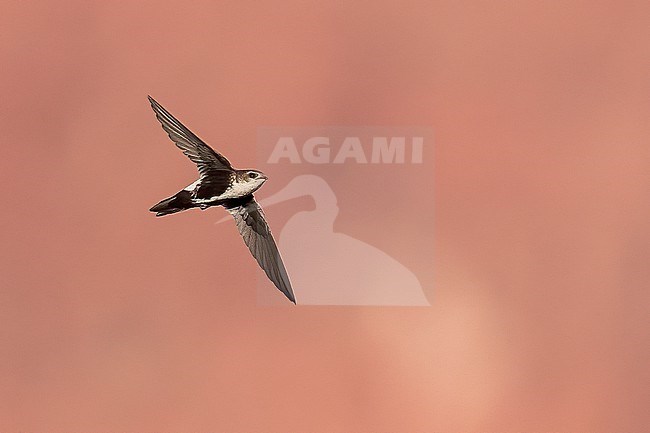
[{"x": 112, "y": 320}]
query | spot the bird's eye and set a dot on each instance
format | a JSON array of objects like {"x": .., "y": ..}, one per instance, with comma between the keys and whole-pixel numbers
[{"x": 252, "y": 175}]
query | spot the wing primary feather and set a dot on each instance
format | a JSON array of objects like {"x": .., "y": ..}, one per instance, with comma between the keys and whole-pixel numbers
[
  {"x": 257, "y": 236},
  {"x": 192, "y": 146}
]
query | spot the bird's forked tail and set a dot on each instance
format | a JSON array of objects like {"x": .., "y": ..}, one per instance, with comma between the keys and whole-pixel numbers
[{"x": 176, "y": 203}]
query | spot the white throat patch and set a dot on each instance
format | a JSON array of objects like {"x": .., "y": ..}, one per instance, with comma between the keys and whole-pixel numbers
[{"x": 239, "y": 189}]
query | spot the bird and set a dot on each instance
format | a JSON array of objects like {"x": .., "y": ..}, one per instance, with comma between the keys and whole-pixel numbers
[{"x": 219, "y": 184}]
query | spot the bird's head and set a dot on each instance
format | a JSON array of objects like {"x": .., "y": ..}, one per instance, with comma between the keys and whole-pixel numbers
[{"x": 252, "y": 178}]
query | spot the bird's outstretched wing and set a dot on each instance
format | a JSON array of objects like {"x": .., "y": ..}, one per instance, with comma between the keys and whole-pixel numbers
[
  {"x": 200, "y": 153},
  {"x": 257, "y": 236}
]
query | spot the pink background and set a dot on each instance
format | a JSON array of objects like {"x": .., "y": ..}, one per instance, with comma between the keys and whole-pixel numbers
[
  {"x": 381, "y": 247},
  {"x": 114, "y": 321}
]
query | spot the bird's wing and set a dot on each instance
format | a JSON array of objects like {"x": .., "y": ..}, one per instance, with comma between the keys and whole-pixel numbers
[
  {"x": 200, "y": 153},
  {"x": 257, "y": 236}
]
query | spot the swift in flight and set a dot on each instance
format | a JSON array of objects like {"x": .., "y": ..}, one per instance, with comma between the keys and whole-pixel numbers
[{"x": 220, "y": 184}]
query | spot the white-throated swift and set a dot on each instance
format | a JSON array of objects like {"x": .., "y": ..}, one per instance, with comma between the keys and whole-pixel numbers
[{"x": 220, "y": 184}]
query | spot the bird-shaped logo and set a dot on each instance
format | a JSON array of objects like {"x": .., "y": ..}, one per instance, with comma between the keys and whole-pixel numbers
[{"x": 220, "y": 184}]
